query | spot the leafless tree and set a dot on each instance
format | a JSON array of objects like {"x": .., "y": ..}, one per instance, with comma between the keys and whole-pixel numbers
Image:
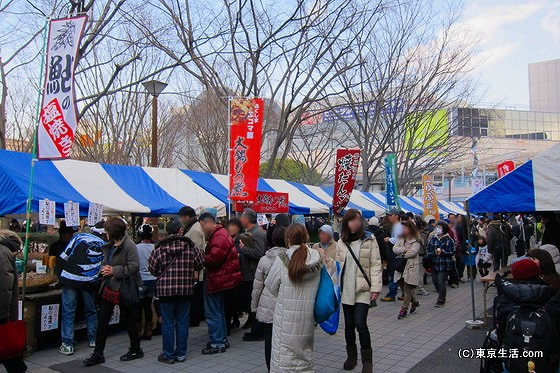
[{"x": 411, "y": 70}]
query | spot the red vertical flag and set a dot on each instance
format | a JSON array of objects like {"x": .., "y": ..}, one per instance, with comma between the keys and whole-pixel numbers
[
  {"x": 246, "y": 119},
  {"x": 346, "y": 169},
  {"x": 505, "y": 168}
]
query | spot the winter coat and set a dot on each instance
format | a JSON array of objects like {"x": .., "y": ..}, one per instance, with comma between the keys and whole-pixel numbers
[
  {"x": 80, "y": 262},
  {"x": 410, "y": 248},
  {"x": 294, "y": 322},
  {"x": 498, "y": 239},
  {"x": 125, "y": 262},
  {"x": 179, "y": 279},
  {"x": 250, "y": 256},
  {"x": 551, "y": 235},
  {"x": 222, "y": 261},
  {"x": 262, "y": 301},
  {"x": 196, "y": 235},
  {"x": 370, "y": 260},
  {"x": 330, "y": 250},
  {"x": 8, "y": 280},
  {"x": 444, "y": 261},
  {"x": 513, "y": 293}
]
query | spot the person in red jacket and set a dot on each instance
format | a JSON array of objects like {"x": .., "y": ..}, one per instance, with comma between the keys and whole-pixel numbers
[{"x": 223, "y": 272}]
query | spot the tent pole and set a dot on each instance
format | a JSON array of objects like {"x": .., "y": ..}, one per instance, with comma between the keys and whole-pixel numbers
[
  {"x": 33, "y": 161},
  {"x": 229, "y": 157},
  {"x": 473, "y": 323}
]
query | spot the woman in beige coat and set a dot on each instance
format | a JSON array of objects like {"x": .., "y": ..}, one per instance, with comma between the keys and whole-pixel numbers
[
  {"x": 357, "y": 290},
  {"x": 408, "y": 246}
]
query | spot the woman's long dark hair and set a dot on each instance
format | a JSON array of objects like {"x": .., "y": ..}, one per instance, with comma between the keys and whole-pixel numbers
[
  {"x": 296, "y": 234},
  {"x": 548, "y": 269},
  {"x": 413, "y": 229},
  {"x": 350, "y": 215}
]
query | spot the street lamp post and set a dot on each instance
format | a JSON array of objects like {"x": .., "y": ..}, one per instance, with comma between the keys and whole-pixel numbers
[{"x": 154, "y": 88}]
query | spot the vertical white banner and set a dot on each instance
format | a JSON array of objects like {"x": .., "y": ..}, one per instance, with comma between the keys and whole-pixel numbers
[
  {"x": 72, "y": 214},
  {"x": 58, "y": 119},
  {"x": 47, "y": 212},
  {"x": 95, "y": 214}
]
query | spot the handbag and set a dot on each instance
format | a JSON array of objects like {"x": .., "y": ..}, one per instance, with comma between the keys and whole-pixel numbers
[
  {"x": 330, "y": 326},
  {"x": 13, "y": 341},
  {"x": 326, "y": 302},
  {"x": 399, "y": 263},
  {"x": 110, "y": 296},
  {"x": 130, "y": 296},
  {"x": 372, "y": 303},
  {"x": 427, "y": 262}
]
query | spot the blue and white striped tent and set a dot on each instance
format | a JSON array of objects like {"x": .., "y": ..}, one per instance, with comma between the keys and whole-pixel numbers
[
  {"x": 531, "y": 187},
  {"x": 157, "y": 191}
]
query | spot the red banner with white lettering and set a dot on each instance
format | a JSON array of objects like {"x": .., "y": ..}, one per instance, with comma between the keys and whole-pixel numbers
[
  {"x": 346, "y": 169},
  {"x": 505, "y": 168},
  {"x": 58, "y": 117},
  {"x": 246, "y": 119},
  {"x": 267, "y": 203}
]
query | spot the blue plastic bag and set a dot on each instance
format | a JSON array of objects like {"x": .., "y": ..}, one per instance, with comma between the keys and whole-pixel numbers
[
  {"x": 326, "y": 302},
  {"x": 330, "y": 326}
]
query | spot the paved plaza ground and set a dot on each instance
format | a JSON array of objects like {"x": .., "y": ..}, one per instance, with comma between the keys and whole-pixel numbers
[{"x": 398, "y": 344}]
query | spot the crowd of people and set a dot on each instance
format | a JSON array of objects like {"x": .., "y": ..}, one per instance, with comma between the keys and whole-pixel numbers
[{"x": 201, "y": 269}]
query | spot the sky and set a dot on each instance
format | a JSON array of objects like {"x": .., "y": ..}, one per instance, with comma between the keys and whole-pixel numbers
[{"x": 511, "y": 34}]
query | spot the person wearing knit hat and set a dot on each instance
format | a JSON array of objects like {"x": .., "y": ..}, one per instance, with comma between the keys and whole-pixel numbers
[
  {"x": 326, "y": 241},
  {"x": 525, "y": 269}
]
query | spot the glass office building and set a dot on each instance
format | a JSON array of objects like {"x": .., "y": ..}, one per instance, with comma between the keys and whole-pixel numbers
[{"x": 503, "y": 123}]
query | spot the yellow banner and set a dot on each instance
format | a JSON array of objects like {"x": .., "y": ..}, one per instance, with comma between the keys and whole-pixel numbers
[{"x": 430, "y": 199}]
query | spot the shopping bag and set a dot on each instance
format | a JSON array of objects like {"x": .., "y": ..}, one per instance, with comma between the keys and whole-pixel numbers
[
  {"x": 12, "y": 343},
  {"x": 326, "y": 302},
  {"x": 330, "y": 326}
]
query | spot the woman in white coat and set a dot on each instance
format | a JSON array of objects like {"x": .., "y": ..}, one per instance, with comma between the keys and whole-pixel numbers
[
  {"x": 408, "y": 246},
  {"x": 294, "y": 280},
  {"x": 359, "y": 286}
]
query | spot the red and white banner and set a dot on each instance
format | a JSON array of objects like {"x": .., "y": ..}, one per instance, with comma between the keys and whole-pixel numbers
[
  {"x": 267, "y": 203},
  {"x": 246, "y": 119},
  {"x": 346, "y": 169},
  {"x": 58, "y": 117},
  {"x": 505, "y": 168}
]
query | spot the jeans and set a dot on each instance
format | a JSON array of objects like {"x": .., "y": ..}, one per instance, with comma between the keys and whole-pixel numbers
[
  {"x": 175, "y": 322},
  {"x": 126, "y": 319},
  {"x": 69, "y": 302},
  {"x": 267, "y": 343},
  {"x": 393, "y": 287},
  {"x": 214, "y": 309},
  {"x": 439, "y": 278},
  {"x": 355, "y": 317}
]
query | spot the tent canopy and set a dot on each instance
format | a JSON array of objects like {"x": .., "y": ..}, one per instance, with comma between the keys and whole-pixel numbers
[
  {"x": 158, "y": 191},
  {"x": 530, "y": 187}
]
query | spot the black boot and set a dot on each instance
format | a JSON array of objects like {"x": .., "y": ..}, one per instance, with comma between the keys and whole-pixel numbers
[
  {"x": 157, "y": 330},
  {"x": 367, "y": 360},
  {"x": 352, "y": 358}
]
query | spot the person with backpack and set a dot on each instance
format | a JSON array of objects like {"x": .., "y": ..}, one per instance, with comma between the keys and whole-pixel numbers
[
  {"x": 522, "y": 321},
  {"x": 407, "y": 266},
  {"x": 360, "y": 285},
  {"x": 440, "y": 253}
]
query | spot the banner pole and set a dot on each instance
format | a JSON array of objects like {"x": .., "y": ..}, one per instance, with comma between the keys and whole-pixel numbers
[
  {"x": 33, "y": 161},
  {"x": 229, "y": 157}
]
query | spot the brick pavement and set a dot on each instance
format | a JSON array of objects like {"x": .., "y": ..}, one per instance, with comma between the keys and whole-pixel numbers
[{"x": 398, "y": 344}]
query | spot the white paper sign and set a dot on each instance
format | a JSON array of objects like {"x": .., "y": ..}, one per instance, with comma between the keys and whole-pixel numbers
[
  {"x": 47, "y": 212},
  {"x": 72, "y": 214},
  {"x": 261, "y": 219},
  {"x": 20, "y": 310},
  {"x": 477, "y": 185},
  {"x": 116, "y": 316},
  {"x": 95, "y": 214},
  {"x": 49, "y": 317}
]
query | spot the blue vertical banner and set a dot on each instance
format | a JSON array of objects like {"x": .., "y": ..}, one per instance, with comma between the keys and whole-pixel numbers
[{"x": 391, "y": 182}]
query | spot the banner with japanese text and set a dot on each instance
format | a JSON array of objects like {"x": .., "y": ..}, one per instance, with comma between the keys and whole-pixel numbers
[
  {"x": 505, "y": 168},
  {"x": 246, "y": 120},
  {"x": 346, "y": 170},
  {"x": 58, "y": 117},
  {"x": 267, "y": 203},
  {"x": 431, "y": 209},
  {"x": 391, "y": 182}
]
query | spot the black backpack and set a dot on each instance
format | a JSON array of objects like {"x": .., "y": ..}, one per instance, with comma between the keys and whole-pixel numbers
[{"x": 529, "y": 328}]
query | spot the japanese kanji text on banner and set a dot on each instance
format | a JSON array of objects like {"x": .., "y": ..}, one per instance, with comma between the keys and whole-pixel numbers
[
  {"x": 505, "y": 168},
  {"x": 430, "y": 200},
  {"x": 346, "y": 169},
  {"x": 267, "y": 203},
  {"x": 246, "y": 119},
  {"x": 58, "y": 117},
  {"x": 391, "y": 182}
]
